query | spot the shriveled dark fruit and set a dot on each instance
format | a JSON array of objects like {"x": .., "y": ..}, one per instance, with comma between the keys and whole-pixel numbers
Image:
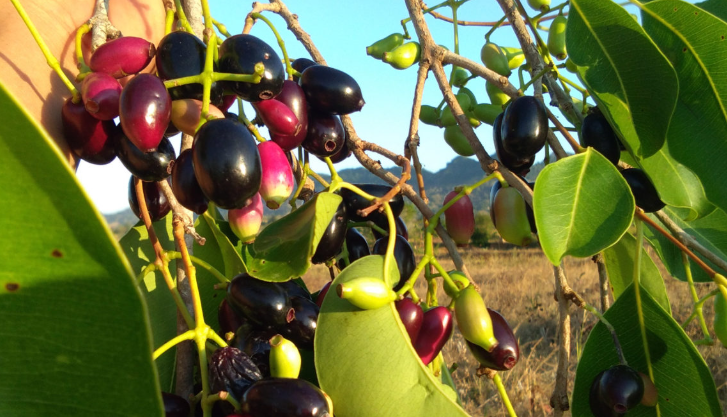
[
  {"x": 300, "y": 65},
  {"x": 292, "y": 95},
  {"x": 185, "y": 186},
  {"x": 404, "y": 255},
  {"x": 331, "y": 242},
  {"x": 145, "y": 109},
  {"x": 156, "y": 202},
  {"x": 264, "y": 303},
  {"x": 524, "y": 127},
  {"x": 154, "y": 165},
  {"x": 322, "y": 294},
  {"x": 255, "y": 342},
  {"x": 597, "y": 133},
  {"x": 226, "y": 163},
  {"x": 229, "y": 320},
  {"x": 511, "y": 162},
  {"x": 238, "y": 54},
  {"x": 356, "y": 245},
  {"x": 411, "y": 315},
  {"x": 647, "y": 198},
  {"x": 331, "y": 91},
  {"x": 182, "y": 54},
  {"x": 302, "y": 329},
  {"x": 325, "y": 134},
  {"x": 123, "y": 56},
  {"x": 459, "y": 218},
  {"x": 285, "y": 397},
  {"x": 89, "y": 138},
  {"x": 293, "y": 289},
  {"x": 401, "y": 229},
  {"x": 620, "y": 388},
  {"x": 100, "y": 93},
  {"x": 174, "y": 405},
  {"x": 231, "y": 370},
  {"x": 355, "y": 202},
  {"x": 437, "y": 328},
  {"x": 507, "y": 352}
]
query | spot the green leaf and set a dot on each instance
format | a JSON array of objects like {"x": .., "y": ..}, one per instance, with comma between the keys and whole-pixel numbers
[
  {"x": 284, "y": 248},
  {"x": 710, "y": 231},
  {"x": 582, "y": 205},
  {"x": 716, "y": 7},
  {"x": 75, "y": 338},
  {"x": 218, "y": 246},
  {"x": 693, "y": 41},
  {"x": 624, "y": 71},
  {"x": 620, "y": 265},
  {"x": 685, "y": 385},
  {"x": 376, "y": 366}
]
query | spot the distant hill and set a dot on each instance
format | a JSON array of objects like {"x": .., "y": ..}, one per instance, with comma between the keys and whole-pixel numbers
[{"x": 459, "y": 171}]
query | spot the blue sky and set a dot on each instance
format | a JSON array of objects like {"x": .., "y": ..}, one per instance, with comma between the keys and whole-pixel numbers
[{"x": 342, "y": 30}]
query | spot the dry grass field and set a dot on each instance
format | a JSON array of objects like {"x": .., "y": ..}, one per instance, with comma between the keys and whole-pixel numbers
[{"x": 519, "y": 284}]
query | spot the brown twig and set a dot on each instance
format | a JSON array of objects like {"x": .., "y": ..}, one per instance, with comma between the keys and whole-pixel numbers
[
  {"x": 689, "y": 241},
  {"x": 440, "y": 16},
  {"x": 144, "y": 210},
  {"x": 396, "y": 189},
  {"x": 193, "y": 11},
  {"x": 412, "y": 140},
  {"x": 602, "y": 280},
  {"x": 180, "y": 211},
  {"x": 563, "y": 131},
  {"x": 102, "y": 28},
  {"x": 559, "y": 398}
]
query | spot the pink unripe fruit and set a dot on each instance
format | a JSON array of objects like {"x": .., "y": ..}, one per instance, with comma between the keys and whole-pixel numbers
[
  {"x": 245, "y": 222},
  {"x": 293, "y": 97},
  {"x": 123, "y": 56},
  {"x": 278, "y": 118},
  {"x": 460, "y": 218},
  {"x": 100, "y": 93},
  {"x": 186, "y": 114},
  {"x": 145, "y": 109},
  {"x": 277, "y": 177}
]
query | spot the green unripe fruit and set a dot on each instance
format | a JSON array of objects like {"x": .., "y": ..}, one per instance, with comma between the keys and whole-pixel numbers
[
  {"x": 429, "y": 115},
  {"x": 510, "y": 216},
  {"x": 720, "y": 318},
  {"x": 487, "y": 112},
  {"x": 403, "y": 56},
  {"x": 570, "y": 66},
  {"x": 460, "y": 280},
  {"x": 556, "y": 37},
  {"x": 539, "y": 5},
  {"x": 457, "y": 141},
  {"x": 473, "y": 319},
  {"x": 466, "y": 99},
  {"x": 387, "y": 44},
  {"x": 366, "y": 292},
  {"x": 494, "y": 59},
  {"x": 497, "y": 96},
  {"x": 284, "y": 358},
  {"x": 473, "y": 120},
  {"x": 446, "y": 119},
  {"x": 459, "y": 77},
  {"x": 515, "y": 56}
]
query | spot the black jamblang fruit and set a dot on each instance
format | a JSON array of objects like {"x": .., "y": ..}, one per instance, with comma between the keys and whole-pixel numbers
[
  {"x": 511, "y": 162},
  {"x": 524, "y": 127},
  {"x": 185, "y": 186},
  {"x": 331, "y": 242},
  {"x": 404, "y": 255},
  {"x": 285, "y": 397},
  {"x": 239, "y": 54},
  {"x": 598, "y": 134},
  {"x": 156, "y": 202},
  {"x": 174, "y": 405},
  {"x": 356, "y": 245},
  {"x": 182, "y": 54},
  {"x": 401, "y": 229},
  {"x": 264, "y": 303},
  {"x": 331, "y": 91},
  {"x": 231, "y": 370},
  {"x": 355, "y": 202},
  {"x": 300, "y": 65},
  {"x": 226, "y": 163},
  {"x": 507, "y": 352},
  {"x": 617, "y": 389},
  {"x": 148, "y": 166},
  {"x": 325, "y": 136},
  {"x": 643, "y": 190},
  {"x": 302, "y": 329}
]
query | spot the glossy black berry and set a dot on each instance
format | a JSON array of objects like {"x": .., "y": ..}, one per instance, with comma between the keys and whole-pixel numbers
[
  {"x": 331, "y": 91},
  {"x": 597, "y": 133},
  {"x": 238, "y": 55},
  {"x": 619, "y": 389},
  {"x": 356, "y": 245},
  {"x": 226, "y": 163},
  {"x": 520, "y": 166},
  {"x": 355, "y": 202},
  {"x": 325, "y": 135},
  {"x": 643, "y": 190},
  {"x": 174, "y": 405},
  {"x": 185, "y": 186},
  {"x": 524, "y": 127},
  {"x": 156, "y": 202},
  {"x": 149, "y": 166},
  {"x": 231, "y": 370},
  {"x": 332, "y": 240},
  {"x": 404, "y": 255},
  {"x": 401, "y": 229},
  {"x": 285, "y": 397},
  {"x": 302, "y": 329},
  {"x": 293, "y": 289},
  {"x": 300, "y": 65},
  {"x": 264, "y": 303}
]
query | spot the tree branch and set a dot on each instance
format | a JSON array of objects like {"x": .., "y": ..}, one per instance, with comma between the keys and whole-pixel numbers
[
  {"x": 102, "y": 29},
  {"x": 559, "y": 399}
]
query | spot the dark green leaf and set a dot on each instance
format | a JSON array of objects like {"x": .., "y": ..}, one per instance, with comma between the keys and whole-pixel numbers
[
  {"x": 377, "y": 371},
  {"x": 217, "y": 246},
  {"x": 284, "y": 248},
  {"x": 716, "y": 7},
  {"x": 630, "y": 79},
  {"x": 75, "y": 337},
  {"x": 582, "y": 205},
  {"x": 694, "y": 43},
  {"x": 685, "y": 385},
  {"x": 620, "y": 265}
]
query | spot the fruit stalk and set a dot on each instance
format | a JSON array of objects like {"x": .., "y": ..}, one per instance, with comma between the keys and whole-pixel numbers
[
  {"x": 281, "y": 43},
  {"x": 82, "y": 67},
  {"x": 637, "y": 287},
  {"x": 503, "y": 395},
  {"x": 697, "y": 307}
]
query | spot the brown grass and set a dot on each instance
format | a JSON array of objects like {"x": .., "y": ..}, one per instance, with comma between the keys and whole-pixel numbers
[{"x": 519, "y": 284}]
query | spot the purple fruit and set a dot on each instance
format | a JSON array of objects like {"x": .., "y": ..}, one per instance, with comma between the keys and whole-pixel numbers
[
  {"x": 436, "y": 330},
  {"x": 156, "y": 202},
  {"x": 460, "y": 218},
  {"x": 285, "y": 397},
  {"x": 507, "y": 352},
  {"x": 524, "y": 127},
  {"x": 277, "y": 180},
  {"x": 278, "y": 118},
  {"x": 154, "y": 165},
  {"x": 89, "y": 138},
  {"x": 100, "y": 93},
  {"x": 331, "y": 91},
  {"x": 294, "y": 98},
  {"x": 325, "y": 134},
  {"x": 145, "y": 110},
  {"x": 122, "y": 56},
  {"x": 342, "y": 154},
  {"x": 322, "y": 294},
  {"x": 245, "y": 222},
  {"x": 411, "y": 316},
  {"x": 185, "y": 186},
  {"x": 228, "y": 319}
]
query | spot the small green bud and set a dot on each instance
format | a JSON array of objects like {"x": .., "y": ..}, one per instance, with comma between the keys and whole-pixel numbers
[
  {"x": 284, "y": 358},
  {"x": 366, "y": 292}
]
